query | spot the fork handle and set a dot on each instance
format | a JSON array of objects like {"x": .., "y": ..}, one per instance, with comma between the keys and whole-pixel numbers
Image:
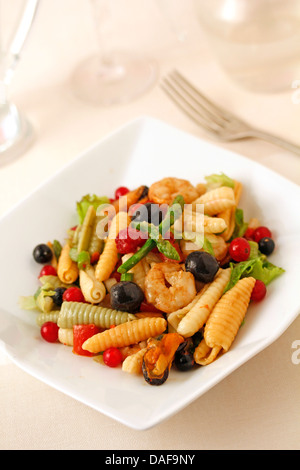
[{"x": 275, "y": 140}]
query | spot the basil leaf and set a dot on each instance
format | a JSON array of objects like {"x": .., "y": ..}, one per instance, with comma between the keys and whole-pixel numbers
[{"x": 56, "y": 248}]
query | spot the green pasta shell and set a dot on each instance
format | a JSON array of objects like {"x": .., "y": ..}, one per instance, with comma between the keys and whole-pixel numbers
[
  {"x": 44, "y": 317},
  {"x": 96, "y": 244},
  {"x": 79, "y": 313},
  {"x": 86, "y": 231}
]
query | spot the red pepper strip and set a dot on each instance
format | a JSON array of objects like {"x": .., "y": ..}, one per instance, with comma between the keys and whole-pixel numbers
[
  {"x": 145, "y": 307},
  {"x": 80, "y": 334},
  {"x": 95, "y": 257}
]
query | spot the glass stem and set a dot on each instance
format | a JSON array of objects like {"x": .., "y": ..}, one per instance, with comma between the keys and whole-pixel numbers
[
  {"x": 102, "y": 14},
  {"x": 3, "y": 93}
]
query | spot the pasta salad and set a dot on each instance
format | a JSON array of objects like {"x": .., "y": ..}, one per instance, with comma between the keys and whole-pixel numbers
[{"x": 156, "y": 278}]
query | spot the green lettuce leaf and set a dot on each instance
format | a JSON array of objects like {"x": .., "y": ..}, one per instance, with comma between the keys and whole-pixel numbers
[
  {"x": 88, "y": 200},
  {"x": 258, "y": 267},
  {"x": 207, "y": 246},
  {"x": 266, "y": 271},
  {"x": 240, "y": 226},
  {"x": 215, "y": 181},
  {"x": 28, "y": 302}
]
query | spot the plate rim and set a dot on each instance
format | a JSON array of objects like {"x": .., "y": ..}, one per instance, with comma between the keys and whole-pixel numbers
[{"x": 141, "y": 122}]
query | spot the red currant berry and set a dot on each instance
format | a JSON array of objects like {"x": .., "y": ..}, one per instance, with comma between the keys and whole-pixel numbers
[
  {"x": 121, "y": 191},
  {"x": 259, "y": 291},
  {"x": 112, "y": 357},
  {"x": 249, "y": 234},
  {"x": 49, "y": 332},
  {"x": 73, "y": 294},
  {"x": 128, "y": 240},
  {"x": 48, "y": 270},
  {"x": 239, "y": 249},
  {"x": 261, "y": 232}
]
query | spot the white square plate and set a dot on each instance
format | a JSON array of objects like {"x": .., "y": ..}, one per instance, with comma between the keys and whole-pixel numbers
[{"x": 141, "y": 152}]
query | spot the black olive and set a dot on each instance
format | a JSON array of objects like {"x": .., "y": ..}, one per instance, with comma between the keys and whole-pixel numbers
[
  {"x": 184, "y": 360},
  {"x": 202, "y": 265},
  {"x": 42, "y": 253},
  {"x": 126, "y": 296},
  {"x": 266, "y": 245},
  {"x": 58, "y": 296},
  {"x": 148, "y": 212}
]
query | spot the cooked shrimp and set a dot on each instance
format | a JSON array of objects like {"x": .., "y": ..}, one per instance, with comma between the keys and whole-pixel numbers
[
  {"x": 165, "y": 191},
  {"x": 168, "y": 287}
]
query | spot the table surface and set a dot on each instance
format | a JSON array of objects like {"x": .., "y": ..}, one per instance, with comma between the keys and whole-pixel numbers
[{"x": 257, "y": 406}]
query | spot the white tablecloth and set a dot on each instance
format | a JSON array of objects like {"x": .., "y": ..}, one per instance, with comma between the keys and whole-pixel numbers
[{"x": 256, "y": 407}]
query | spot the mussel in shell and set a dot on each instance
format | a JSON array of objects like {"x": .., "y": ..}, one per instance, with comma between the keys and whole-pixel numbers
[{"x": 159, "y": 356}]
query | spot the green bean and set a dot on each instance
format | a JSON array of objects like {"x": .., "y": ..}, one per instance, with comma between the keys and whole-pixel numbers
[
  {"x": 164, "y": 246},
  {"x": 134, "y": 259},
  {"x": 167, "y": 249},
  {"x": 173, "y": 213},
  {"x": 127, "y": 277},
  {"x": 86, "y": 231}
]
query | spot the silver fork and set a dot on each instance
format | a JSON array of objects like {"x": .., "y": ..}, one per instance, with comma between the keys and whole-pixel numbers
[{"x": 219, "y": 122}]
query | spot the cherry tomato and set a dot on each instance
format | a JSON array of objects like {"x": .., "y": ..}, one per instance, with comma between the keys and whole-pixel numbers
[
  {"x": 239, "y": 249},
  {"x": 112, "y": 357},
  {"x": 49, "y": 332},
  {"x": 261, "y": 232},
  {"x": 73, "y": 294},
  {"x": 128, "y": 240},
  {"x": 259, "y": 291},
  {"x": 121, "y": 191},
  {"x": 48, "y": 270}
]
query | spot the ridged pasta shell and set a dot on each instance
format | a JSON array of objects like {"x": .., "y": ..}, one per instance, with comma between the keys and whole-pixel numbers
[
  {"x": 79, "y": 313},
  {"x": 126, "y": 334},
  {"x": 224, "y": 321},
  {"x": 199, "y": 313}
]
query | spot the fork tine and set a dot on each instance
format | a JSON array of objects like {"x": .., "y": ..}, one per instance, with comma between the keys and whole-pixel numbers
[
  {"x": 186, "y": 106},
  {"x": 210, "y": 106},
  {"x": 200, "y": 102}
]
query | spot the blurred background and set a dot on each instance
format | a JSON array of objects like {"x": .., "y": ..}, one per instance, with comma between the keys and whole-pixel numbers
[{"x": 211, "y": 43}]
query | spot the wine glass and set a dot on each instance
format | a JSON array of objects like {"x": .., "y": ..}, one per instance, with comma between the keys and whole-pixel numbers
[
  {"x": 256, "y": 42},
  {"x": 15, "y": 130},
  {"x": 111, "y": 76}
]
